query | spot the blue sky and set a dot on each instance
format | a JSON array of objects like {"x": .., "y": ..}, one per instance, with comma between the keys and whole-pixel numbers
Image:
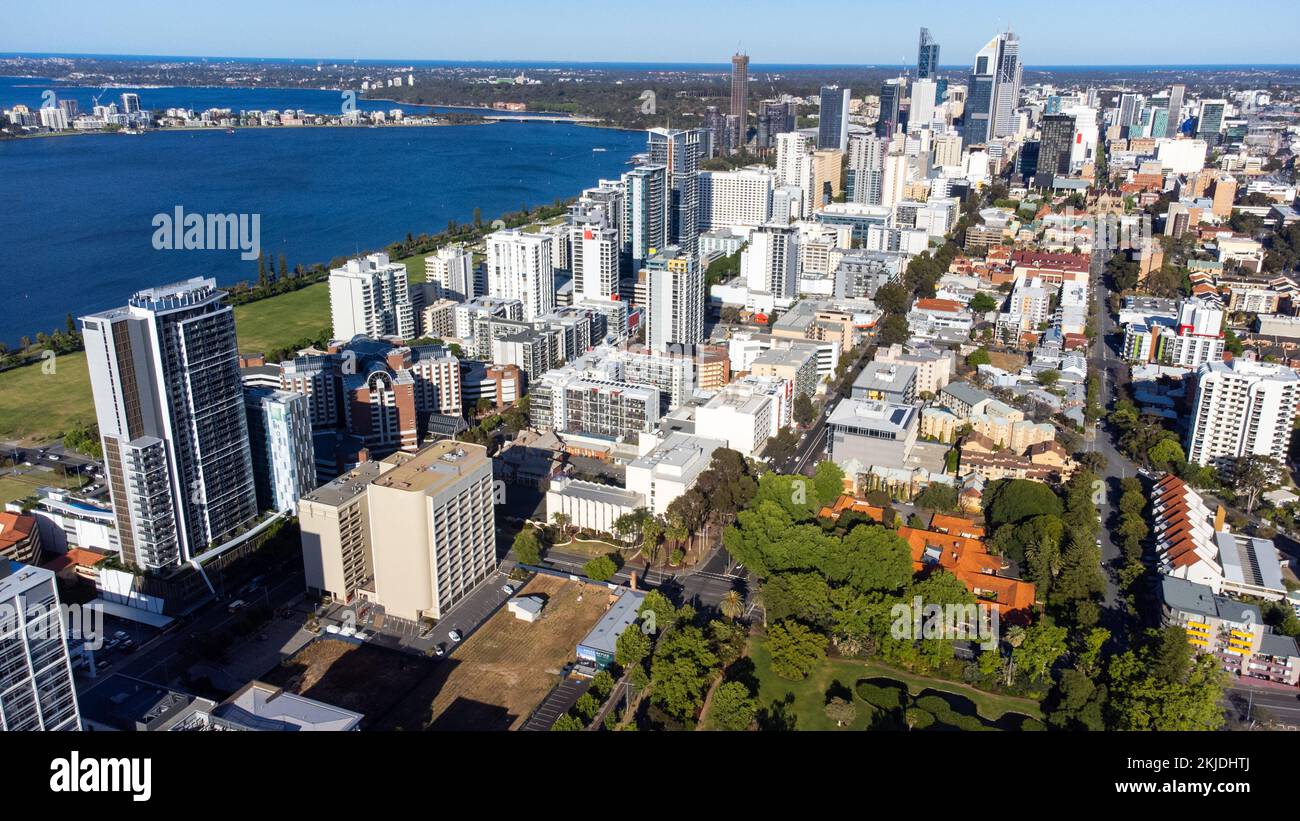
[{"x": 1053, "y": 32}]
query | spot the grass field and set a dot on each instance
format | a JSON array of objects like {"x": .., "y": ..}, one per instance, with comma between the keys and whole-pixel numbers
[
  {"x": 809, "y": 695},
  {"x": 36, "y": 406},
  {"x": 508, "y": 666},
  {"x": 280, "y": 321},
  {"x": 14, "y": 486}
]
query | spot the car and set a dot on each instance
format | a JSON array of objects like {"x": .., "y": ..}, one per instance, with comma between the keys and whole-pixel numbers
[
  {"x": 332, "y": 629},
  {"x": 102, "y": 665},
  {"x": 454, "y": 635},
  {"x": 440, "y": 650},
  {"x": 508, "y": 589},
  {"x": 362, "y": 636},
  {"x": 121, "y": 635}
]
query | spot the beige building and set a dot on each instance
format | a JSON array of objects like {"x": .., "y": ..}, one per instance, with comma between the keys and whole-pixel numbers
[
  {"x": 433, "y": 528},
  {"x": 335, "y": 524},
  {"x": 827, "y": 168},
  {"x": 933, "y": 367}
]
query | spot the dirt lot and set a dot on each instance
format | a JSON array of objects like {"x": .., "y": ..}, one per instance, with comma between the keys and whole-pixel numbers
[
  {"x": 370, "y": 680},
  {"x": 1007, "y": 361},
  {"x": 508, "y": 666},
  {"x": 492, "y": 682}
]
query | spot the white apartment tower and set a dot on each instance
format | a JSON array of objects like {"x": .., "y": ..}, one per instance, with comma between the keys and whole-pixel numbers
[
  {"x": 595, "y": 249},
  {"x": 451, "y": 270},
  {"x": 369, "y": 296},
  {"x": 36, "y": 686},
  {"x": 1242, "y": 408},
  {"x": 164, "y": 370},
  {"x": 770, "y": 263},
  {"x": 519, "y": 267}
]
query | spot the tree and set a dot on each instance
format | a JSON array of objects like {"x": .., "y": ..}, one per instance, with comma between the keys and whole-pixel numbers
[
  {"x": 1163, "y": 685},
  {"x": 982, "y": 303},
  {"x": 937, "y": 496},
  {"x": 527, "y": 547},
  {"x": 1048, "y": 378},
  {"x": 893, "y": 298},
  {"x": 562, "y": 521},
  {"x": 732, "y": 707},
  {"x": 632, "y": 646},
  {"x": 1044, "y": 643},
  {"x": 568, "y": 723},
  {"x": 795, "y": 649},
  {"x": 680, "y": 671},
  {"x": 894, "y": 330},
  {"x": 841, "y": 711},
  {"x": 599, "y": 569},
  {"x": 1249, "y": 476},
  {"x": 828, "y": 481},
  {"x": 1166, "y": 452},
  {"x": 732, "y": 605},
  {"x": 804, "y": 412},
  {"x": 1014, "y": 500}
]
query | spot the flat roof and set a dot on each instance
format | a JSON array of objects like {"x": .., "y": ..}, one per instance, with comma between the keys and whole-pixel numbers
[
  {"x": 347, "y": 486},
  {"x": 437, "y": 466}
]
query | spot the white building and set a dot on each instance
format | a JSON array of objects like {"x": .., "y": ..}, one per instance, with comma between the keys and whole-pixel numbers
[
  {"x": 37, "y": 692},
  {"x": 675, "y": 299},
  {"x": 736, "y": 199},
  {"x": 770, "y": 263},
  {"x": 519, "y": 267},
  {"x": 746, "y": 413},
  {"x": 670, "y": 469},
  {"x": 1242, "y": 408},
  {"x": 451, "y": 270},
  {"x": 370, "y": 296}
]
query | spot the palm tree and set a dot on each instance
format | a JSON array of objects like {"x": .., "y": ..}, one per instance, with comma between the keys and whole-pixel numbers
[
  {"x": 561, "y": 521},
  {"x": 732, "y": 605},
  {"x": 650, "y": 533}
]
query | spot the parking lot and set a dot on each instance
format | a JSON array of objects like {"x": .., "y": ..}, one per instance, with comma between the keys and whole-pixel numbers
[
  {"x": 414, "y": 637},
  {"x": 121, "y": 639}
]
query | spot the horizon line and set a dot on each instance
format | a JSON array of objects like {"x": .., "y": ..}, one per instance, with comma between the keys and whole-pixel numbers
[{"x": 563, "y": 62}]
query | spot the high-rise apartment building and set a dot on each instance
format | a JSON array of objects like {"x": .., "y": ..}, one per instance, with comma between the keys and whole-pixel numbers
[
  {"x": 519, "y": 267},
  {"x": 451, "y": 270},
  {"x": 679, "y": 152},
  {"x": 164, "y": 370},
  {"x": 370, "y": 296},
  {"x": 735, "y": 199},
  {"x": 770, "y": 263},
  {"x": 280, "y": 440},
  {"x": 833, "y": 119},
  {"x": 36, "y": 686},
  {"x": 1175, "y": 121},
  {"x": 595, "y": 259},
  {"x": 1242, "y": 408},
  {"x": 645, "y": 218},
  {"x": 675, "y": 299},
  {"x": 866, "y": 161}
]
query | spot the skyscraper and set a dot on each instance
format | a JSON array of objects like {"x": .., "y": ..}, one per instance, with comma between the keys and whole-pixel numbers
[
  {"x": 164, "y": 370},
  {"x": 993, "y": 90},
  {"x": 740, "y": 96},
  {"x": 645, "y": 220},
  {"x": 891, "y": 98},
  {"x": 1175, "y": 110},
  {"x": 280, "y": 440},
  {"x": 1209, "y": 123},
  {"x": 1054, "y": 149},
  {"x": 927, "y": 57},
  {"x": 36, "y": 685},
  {"x": 678, "y": 151},
  {"x": 833, "y": 120},
  {"x": 773, "y": 118}
]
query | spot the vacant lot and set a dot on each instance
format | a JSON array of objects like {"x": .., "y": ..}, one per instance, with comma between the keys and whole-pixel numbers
[
  {"x": 37, "y": 405},
  {"x": 364, "y": 678},
  {"x": 508, "y": 666}
]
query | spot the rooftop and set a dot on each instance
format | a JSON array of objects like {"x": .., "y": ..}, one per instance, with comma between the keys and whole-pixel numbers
[{"x": 434, "y": 468}]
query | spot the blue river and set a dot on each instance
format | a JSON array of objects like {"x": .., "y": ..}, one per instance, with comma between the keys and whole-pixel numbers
[{"x": 78, "y": 223}]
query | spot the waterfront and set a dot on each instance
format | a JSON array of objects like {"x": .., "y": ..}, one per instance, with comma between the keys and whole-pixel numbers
[{"x": 82, "y": 209}]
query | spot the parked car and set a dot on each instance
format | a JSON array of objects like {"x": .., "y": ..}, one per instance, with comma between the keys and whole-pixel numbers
[
  {"x": 508, "y": 589},
  {"x": 454, "y": 635},
  {"x": 440, "y": 650}
]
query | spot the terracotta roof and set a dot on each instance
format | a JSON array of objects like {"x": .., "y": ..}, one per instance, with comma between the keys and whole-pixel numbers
[{"x": 969, "y": 560}]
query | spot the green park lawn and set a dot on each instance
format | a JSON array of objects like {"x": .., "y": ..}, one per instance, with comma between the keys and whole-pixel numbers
[
  {"x": 810, "y": 694},
  {"x": 36, "y": 406},
  {"x": 281, "y": 321}
]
